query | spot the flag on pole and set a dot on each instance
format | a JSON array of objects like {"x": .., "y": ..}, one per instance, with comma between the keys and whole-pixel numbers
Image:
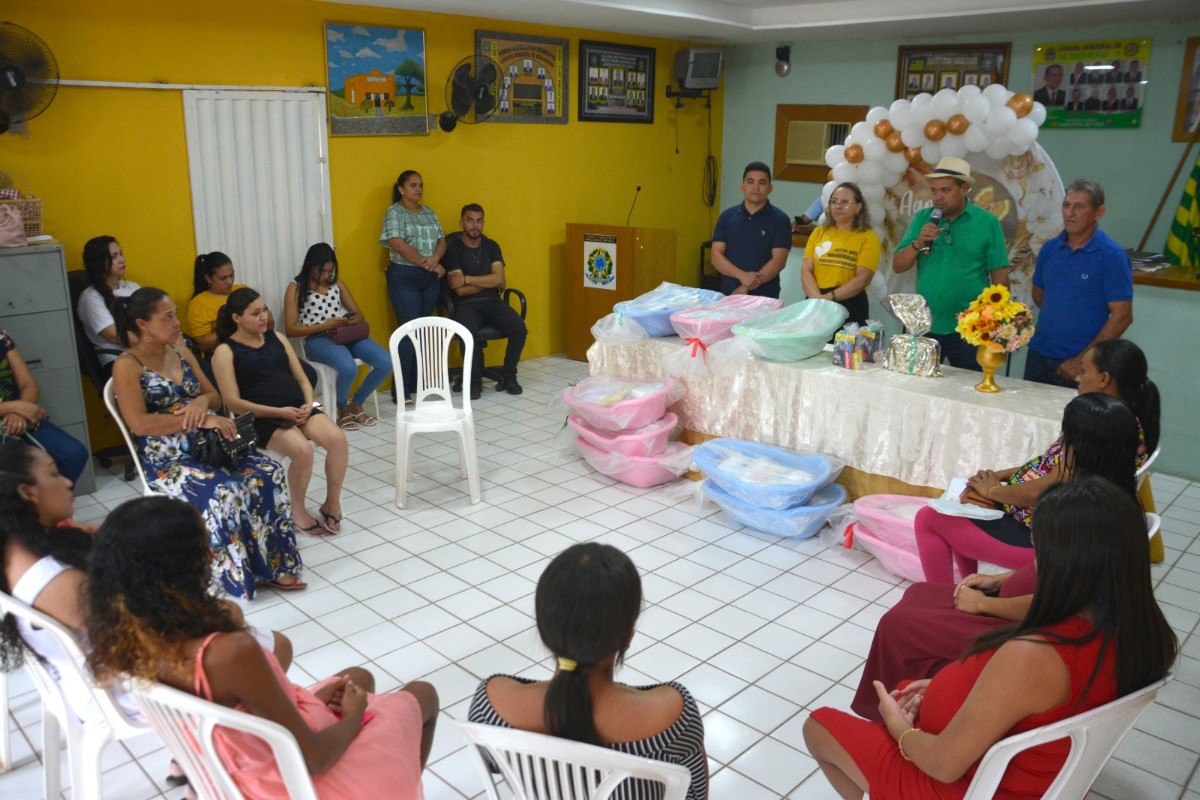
[{"x": 1183, "y": 241}]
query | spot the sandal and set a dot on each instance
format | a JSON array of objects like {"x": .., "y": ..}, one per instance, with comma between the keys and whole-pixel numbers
[
  {"x": 316, "y": 529},
  {"x": 328, "y": 521},
  {"x": 409, "y": 404},
  {"x": 360, "y": 415},
  {"x": 294, "y": 585},
  {"x": 175, "y": 775},
  {"x": 347, "y": 422}
]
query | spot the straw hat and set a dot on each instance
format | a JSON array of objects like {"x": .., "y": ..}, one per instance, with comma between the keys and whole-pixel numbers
[{"x": 951, "y": 167}]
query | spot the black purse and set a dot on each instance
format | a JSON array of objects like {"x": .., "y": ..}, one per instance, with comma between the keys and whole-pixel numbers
[{"x": 212, "y": 449}]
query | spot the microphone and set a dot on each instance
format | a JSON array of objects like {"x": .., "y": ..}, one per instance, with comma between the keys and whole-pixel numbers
[
  {"x": 936, "y": 219},
  {"x": 631, "y": 205}
]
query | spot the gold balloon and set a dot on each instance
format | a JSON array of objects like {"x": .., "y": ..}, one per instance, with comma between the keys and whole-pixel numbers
[
  {"x": 883, "y": 129},
  {"x": 912, "y": 155},
  {"x": 1021, "y": 103},
  {"x": 935, "y": 129},
  {"x": 894, "y": 143},
  {"x": 854, "y": 153},
  {"x": 829, "y": 177},
  {"x": 958, "y": 124}
]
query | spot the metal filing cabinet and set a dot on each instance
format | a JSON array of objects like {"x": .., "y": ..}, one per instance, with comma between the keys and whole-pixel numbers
[{"x": 35, "y": 310}]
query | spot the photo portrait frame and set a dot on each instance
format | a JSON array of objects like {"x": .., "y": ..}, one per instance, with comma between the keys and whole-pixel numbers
[
  {"x": 989, "y": 62},
  {"x": 376, "y": 80},
  {"x": 629, "y": 71},
  {"x": 1187, "y": 108},
  {"x": 534, "y": 74}
]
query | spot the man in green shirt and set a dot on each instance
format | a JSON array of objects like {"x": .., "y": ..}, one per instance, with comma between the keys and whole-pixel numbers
[{"x": 956, "y": 257}]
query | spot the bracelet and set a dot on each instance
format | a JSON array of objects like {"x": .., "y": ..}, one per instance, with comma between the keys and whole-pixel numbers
[
  {"x": 914, "y": 247},
  {"x": 900, "y": 742},
  {"x": 992, "y": 489}
]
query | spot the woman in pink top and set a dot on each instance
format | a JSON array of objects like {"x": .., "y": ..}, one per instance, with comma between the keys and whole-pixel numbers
[{"x": 153, "y": 618}]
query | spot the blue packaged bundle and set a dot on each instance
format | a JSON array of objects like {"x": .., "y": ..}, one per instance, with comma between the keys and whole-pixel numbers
[
  {"x": 800, "y": 522},
  {"x": 653, "y": 309},
  {"x": 763, "y": 475}
]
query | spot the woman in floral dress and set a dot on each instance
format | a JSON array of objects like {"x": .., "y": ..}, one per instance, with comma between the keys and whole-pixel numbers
[{"x": 165, "y": 399}]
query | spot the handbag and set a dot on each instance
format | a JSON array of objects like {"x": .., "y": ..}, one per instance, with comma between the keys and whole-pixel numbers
[
  {"x": 349, "y": 334},
  {"x": 212, "y": 449},
  {"x": 12, "y": 228}
]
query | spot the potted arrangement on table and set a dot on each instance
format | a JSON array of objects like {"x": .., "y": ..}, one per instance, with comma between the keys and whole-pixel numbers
[{"x": 997, "y": 325}]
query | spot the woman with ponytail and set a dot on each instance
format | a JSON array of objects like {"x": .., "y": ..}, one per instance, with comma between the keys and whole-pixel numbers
[
  {"x": 212, "y": 283},
  {"x": 587, "y": 603},
  {"x": 104, "y": 262}
]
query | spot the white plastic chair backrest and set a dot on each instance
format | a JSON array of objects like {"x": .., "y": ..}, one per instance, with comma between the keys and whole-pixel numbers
[
  {"x": 431, "y": 337},
  {"x": 1143, "y": 471},
  {"x": 1094, "y": 736},
  {"x": 77, "y": 675},
  {"x": 110, "y": 400},
  {"x": 1153, "y": 522},
  {"x": 186, "y": 724},
  {"x": 540, "y": 767}
]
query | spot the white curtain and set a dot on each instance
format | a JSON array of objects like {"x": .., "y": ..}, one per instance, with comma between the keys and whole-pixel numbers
[{"x": 259, "y": 169}]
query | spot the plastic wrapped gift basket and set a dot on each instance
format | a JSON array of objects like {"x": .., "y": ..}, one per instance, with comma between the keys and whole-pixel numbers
[
  {"x": 802, "y": 521},
  {"x": 796, "y": 332},
  {"x": 715, "y": 322},
  {"x": 640, "y": 471},
  {"x": 653, "y": 309},
  {"x": 763, "y": 475},
  {"x": 886, "y": 530},
  {"x": 647, "y": 441},
  {"x": 619, "y": 404}
]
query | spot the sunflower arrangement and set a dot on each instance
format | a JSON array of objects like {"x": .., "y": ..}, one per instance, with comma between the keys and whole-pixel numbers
[{"x": 995, "y": 321}]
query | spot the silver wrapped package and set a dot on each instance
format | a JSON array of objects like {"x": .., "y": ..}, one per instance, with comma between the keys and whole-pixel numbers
[{"x": 912, "y": 353}]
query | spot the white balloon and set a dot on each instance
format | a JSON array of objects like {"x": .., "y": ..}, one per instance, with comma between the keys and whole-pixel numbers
[
  {"x": 862, "y": 131},
  {"x": 876, "y": 215},
  {"x": 967, "y": 91},
  {"x": 1024, "y": 132},
  {"x": 996, "y": 94},
  {"x": 875, "y": 149},
  {"x": 976, "y": 109},
  {"x": 873, "y": 193},
  {"x": 895, "y": 163},
  {"x": 835, "y": 155},
  {"x": 1038, "y": 114},
  {"x": 845, "y": 172},
  {"x": 1018, "y": 149},
  {"x": 923, "y": 97},
  {"x": 913, "y": 135},
  {"x": 922, "y": 113},
  {"x": 851, "y": 139},
  {"x": 976, "y": 139},
  {"x": 870, "y": 173},
  {"x": 1001, "y": 120},
  {"x": 953, "y": 146},
  {"x": 827, "y": 191},
  {"x": 931, "y": 152},
  {"x": 945, "y": 104},
  {"x": 875, "y": 114},
  {"x": 998, "y": 149},
  {"x": 900, "y": 114}
]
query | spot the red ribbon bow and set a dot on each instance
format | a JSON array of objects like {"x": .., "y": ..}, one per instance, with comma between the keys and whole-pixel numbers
[{"x": 696, "y": 345}]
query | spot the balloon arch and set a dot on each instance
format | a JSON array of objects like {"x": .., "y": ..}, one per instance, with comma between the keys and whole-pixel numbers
[{"x": 994, "y": 129}]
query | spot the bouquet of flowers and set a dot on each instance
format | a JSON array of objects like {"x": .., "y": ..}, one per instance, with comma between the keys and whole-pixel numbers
[{"x": 995, "y": 321}]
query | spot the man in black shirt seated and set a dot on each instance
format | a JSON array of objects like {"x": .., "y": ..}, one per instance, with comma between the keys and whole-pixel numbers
[{"x": 475, "y": 273}]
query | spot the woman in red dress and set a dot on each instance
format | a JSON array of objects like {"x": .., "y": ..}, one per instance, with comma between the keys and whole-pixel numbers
[{"x": 1093, "y": 633}]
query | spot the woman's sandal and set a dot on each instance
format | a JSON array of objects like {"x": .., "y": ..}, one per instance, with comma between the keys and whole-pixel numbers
[
  {"x": 328, "y": 521},
  {"x": 176, "y": 775},
  {"x": 294, "y": 585},
  {"x": 347, "y": 422},
  {"x": 365, "y": 419}
]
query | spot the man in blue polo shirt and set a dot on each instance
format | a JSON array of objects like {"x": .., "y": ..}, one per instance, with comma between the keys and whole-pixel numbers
[
  {"x": 1083, "y": 284},
  {"x": 752, "y": 239}
]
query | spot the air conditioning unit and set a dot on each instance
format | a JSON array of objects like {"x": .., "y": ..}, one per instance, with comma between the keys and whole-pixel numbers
[{"x": 807, "y": 140}]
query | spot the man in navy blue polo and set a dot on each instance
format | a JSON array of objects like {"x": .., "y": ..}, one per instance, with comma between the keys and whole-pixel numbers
[
  {"x": 752, "y": 239},
  {"x": 1083, "y": 285}
]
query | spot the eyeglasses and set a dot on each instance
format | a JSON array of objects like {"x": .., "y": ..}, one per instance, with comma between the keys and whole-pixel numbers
[{"x": 842, "y": 203}]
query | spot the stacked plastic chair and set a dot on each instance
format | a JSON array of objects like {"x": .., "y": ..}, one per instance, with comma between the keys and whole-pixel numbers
[
  {"x": 625, "y": 431},
  {"x": 770, "y": 489}
]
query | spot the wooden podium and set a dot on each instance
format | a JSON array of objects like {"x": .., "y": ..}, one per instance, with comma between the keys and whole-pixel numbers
[{"x": 645, "y": 258}]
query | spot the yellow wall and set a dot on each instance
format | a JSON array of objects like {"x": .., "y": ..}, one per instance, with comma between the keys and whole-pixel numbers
[{"x": 114, "y": 161}]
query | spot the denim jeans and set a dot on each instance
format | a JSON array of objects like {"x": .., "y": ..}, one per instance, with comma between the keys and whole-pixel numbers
[
  {"x": 323, "y": 350},
  {"x": 414, "y": 293},
  {"x": 71, "y": 454},
  {"x": 1043, "y": 369}
]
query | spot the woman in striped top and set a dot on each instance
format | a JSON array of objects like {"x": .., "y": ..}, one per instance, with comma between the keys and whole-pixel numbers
[{"x": 587, "y": 602}]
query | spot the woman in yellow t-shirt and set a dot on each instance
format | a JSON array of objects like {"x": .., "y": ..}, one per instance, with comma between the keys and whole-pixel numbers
[
  {"x": 213, "y": 281},
  {"x": 841, "y": 256}
]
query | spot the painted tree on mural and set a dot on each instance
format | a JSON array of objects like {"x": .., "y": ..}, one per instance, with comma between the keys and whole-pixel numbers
[{"x": 414, "y": 77}]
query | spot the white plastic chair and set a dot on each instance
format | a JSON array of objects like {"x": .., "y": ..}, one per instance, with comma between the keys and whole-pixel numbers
[
  {"x": 85, "y": 741},
  {"x": 1143, "y": 472},
  {"x": 110, "y": 400},
  {"x": 540, "y": 767},
  {"x": 327, "y": 380},
  {"x": 1094, "y": 736},
  {"x": 434, "y": 410},
  {"x": 186, "y": 724}
]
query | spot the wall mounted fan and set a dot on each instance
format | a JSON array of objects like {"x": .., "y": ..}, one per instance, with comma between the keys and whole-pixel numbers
[
  {"x": 471, "y": 92},
  {"x": 28, "y": 75}
]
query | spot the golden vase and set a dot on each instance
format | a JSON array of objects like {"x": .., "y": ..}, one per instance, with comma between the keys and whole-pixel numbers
[{"x": 989, "y": 361}]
